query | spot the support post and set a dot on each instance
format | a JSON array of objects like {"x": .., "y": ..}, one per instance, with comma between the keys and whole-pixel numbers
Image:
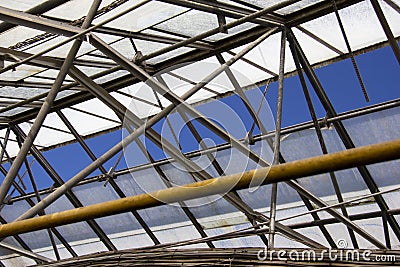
[{"x": 277, "y": 138}]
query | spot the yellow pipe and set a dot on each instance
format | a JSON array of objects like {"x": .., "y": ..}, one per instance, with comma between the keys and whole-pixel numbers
[{"x": 277, "y": 173}]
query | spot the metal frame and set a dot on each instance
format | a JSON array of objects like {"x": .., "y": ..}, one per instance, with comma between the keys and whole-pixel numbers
[{"x": 267, "y": 21}]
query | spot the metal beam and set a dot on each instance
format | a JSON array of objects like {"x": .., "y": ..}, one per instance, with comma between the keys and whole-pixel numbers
[
  {"x": 393, "y": 5},
  {"x": 284, "y": 172},
  {"x": 305, "y": 195},
  {"x": 150, "y": 37},
  {"x": 322, "y": 143},
  {"x": 273, "y": 74},
  {"x": 30, "y": 202},
  {"x": 254, "y": 115},
  {"x": 386, "y": 29},
  {"x": 350, "y": 51},
  {"x": 25, "y": 19},
  {"x": 191, "y": 167},
  {"x": 341, "y": 130},
  {"x": 227, "y": 10},
  {"x": 293, "y": 184},
  {"x": 12, "y": 56},
  {"x": 318, "y": 10},
  {"x": 113, "y": 184},
  {"x": 5, "y": 186},
  {"x": 139, "y": 124},
  {"x": 47, "y": 62},
  {"x": 319, "y": 40},
  {"x": 118, "y": 83},
  {"x": 36, "y": 10},
  {"x": 211, "y": 32},
  {"x": 18, "y": 239},
  {"x": 353, "y": 217},
  {"x": 54, "y": 27},
  {"x": 177, "y": 101},
  {"x": 139, "y": 131},
  {"x": 287, "y": 130},
  {"x": 26, "y": 253},
  {"x": 36, "y": 85},
  {"x": 234, "y": 199},
  {"x": 277, "y": 138},
  {"x": 239, "y": 91},
  {"x": 59, "y": 182},
  {"x": 35, "y": 189}
]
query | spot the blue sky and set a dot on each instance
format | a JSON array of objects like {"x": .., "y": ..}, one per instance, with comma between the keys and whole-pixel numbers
[{"x": 379, "y": 70}]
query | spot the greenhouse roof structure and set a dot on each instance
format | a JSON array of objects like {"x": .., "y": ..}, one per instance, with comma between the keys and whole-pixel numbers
[{"x": 141, "y": 133}]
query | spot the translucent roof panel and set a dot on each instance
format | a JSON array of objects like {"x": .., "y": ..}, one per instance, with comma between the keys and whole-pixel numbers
[
  {"x": 17, "y": 34},
  {"x": 111, "y": 76},
  {"x": 20, "y": 92},
  {"x": 142, "y": 17},
  {"x": 361, "y": 25},
  {"x": 20, "y": 73},
  {"x": 74, "y": 9},
  {"x": 283, "y": 11},
  {"x": 168, "y": 55},
  {"x": 21, "y": 5},
  {"x": 195, "y": 22},
  {"x": 190, "y": 23},
  {"x": 297, "y": 6},
  {"x": 61, "y": 51}
]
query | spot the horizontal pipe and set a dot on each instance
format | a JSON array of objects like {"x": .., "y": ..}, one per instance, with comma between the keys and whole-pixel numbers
[{"x": 301, "y": 168}]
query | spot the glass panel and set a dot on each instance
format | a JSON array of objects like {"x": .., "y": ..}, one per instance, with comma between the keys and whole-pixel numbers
[
  {"x": 21, "y": 5},
  {"x": 142, "y": 17},
  {"x": 297, "y": 6},
  {"x": 17, "y": 34}
]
